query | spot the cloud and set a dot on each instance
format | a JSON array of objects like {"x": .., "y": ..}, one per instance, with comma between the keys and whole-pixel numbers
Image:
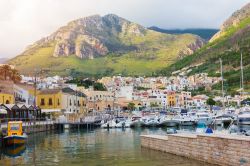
[{"x": 24, "y": 21}]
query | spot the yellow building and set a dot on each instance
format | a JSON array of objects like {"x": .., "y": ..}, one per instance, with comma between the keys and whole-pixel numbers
[
  {"x": 6, "y": 92},
  {"x": 171, "y": 99},
  {"x": 6, "y": 98},
  {"x": 49, "y": 99}
]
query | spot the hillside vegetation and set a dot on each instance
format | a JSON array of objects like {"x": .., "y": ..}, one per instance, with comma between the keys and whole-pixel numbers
[
  {"x": 232, "y": 40},
  {"x": 99, "y": 46}
]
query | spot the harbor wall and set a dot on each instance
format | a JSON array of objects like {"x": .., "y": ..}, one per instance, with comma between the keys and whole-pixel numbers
[{"x": 214, "y": 149}]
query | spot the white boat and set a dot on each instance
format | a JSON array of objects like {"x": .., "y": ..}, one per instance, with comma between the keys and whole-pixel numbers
[
  {"x": 223, "y": 119},
  {"x": 169, "y": 121},
  {"x": 186, "y": 120},
  {"x": 203, "y": 118},
  {"x": 123, "y": 124},
  {"x": 151, "y": 121},
  {"x": 137, "y": 122},
  {"x": 109, "y": 124},
  {"x": 244, "y": 118}
]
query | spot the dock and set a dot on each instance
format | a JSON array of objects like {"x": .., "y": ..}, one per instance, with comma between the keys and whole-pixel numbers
[{"x": 219, "y": 149}]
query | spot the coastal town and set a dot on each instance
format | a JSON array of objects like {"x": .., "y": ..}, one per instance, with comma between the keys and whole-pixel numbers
[
  {"x": 124, "y": 83},
  {"x": 56, "y": 96}
]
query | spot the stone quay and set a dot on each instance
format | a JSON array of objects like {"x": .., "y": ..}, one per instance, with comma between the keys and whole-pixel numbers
[{"x": 219, "y": 149}]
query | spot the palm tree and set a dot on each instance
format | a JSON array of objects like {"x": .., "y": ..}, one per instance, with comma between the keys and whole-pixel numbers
[
  {"x": 6, "y": 71},
  {"x": 15, "y": 76}
]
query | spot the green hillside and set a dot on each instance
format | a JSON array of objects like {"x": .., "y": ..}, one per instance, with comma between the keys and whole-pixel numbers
[
  {"x": 132, "y": 50},
  {"x": 228, "y": 44}
]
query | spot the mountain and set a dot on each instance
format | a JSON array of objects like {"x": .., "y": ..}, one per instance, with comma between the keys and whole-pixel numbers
[
  {"x": 3, "y": 60},
  {"x": 206, "y": 34},
  {"x": 98, "y": 46},
  {"x": 232, "y": 40}
]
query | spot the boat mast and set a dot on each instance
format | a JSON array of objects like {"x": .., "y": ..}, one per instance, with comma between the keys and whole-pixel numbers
[
  {"x": 242, "y": 76},
  {"x": 222, "y": 84}
]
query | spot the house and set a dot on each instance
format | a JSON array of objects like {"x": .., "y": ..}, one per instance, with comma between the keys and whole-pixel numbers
[
  {"x": 73, "y": 101},
  {"x": 50, "y": 101},
  {"x": 6, "y": 92},
  {"x": 171, "y": 99},
  {"x": 24, "y": 93}
]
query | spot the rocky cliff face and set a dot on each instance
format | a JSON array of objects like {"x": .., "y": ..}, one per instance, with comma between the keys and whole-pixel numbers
[
  {"x": 96, "y": 36},
  {"x": 106, "y": 45},
  {"x": 91, "y": 37},
  {"x": 192, "y": 47},
  {"x": 236, "y": 18}
]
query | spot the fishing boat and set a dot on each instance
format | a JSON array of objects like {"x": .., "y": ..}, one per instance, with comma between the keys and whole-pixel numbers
[{"x": 15, "y": 134}]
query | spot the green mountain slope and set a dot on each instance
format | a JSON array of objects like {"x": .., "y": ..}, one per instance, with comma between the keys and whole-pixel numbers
[
  {"x": 232, "y": 40},
  {"x": 98, "y": 46}
]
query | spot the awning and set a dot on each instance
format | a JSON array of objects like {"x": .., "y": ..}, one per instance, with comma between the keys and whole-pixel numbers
[
  {"x": 2, "y": 111},
  {"x": 69, "y": 112},
  {"x": 50, "y": 110}
]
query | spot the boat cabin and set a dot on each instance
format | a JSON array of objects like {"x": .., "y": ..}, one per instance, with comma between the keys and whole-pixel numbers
[{"x": 15, "y": 128}]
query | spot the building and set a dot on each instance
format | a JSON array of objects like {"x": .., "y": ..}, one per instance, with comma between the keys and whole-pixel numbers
[
  {"x": 171, "y": 99},
  {"x": 6, "y": 92},
  {"x": 73, "y": 101},
  {"x": 24, "y": 94},
  {"x": 50, "y": 101},
  {"x": 6, "y": 98},
  {"x": 101, "y": 100}
]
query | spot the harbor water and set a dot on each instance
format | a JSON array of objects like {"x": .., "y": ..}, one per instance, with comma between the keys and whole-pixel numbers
[{"x": 97, "y": 147}]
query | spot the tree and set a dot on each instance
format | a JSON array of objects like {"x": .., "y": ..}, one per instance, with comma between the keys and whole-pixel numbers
[
  {"x": 99, "y": 87},
  {"x": 15, "y": 76},
  {"x": 5, "y": 69},
  {"x": 131, "y": 106},
  {"x": 6, "y": 72},
  {"x": 153, "y": 105},
  {"x": 210, "y": 102}
]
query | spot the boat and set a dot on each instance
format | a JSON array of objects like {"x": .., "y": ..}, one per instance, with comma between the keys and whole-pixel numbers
[
  {"x": 203, "y": 118},
  {"x": 186, "y": 120},
  {"x": 169, "y": 121},
  {"x": 14, "y": 151},
  {"x": 123, "y": 123},
  {"x": 137, "y": 121},
  {"x": 244, "y": 118},
  {"x": 109, "y": 124},
  {"x": 151, "y": 121},
  {"x": 224, "y": 119},
  {"x": 15, "y": 134}
]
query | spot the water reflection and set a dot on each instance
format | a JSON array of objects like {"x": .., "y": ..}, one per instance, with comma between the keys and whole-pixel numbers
[
  {"x": 93, "y": 147},
  {"x": 14, "y": 151}
]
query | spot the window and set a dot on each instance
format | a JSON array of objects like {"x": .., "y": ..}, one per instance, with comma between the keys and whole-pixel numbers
[
  {"x": 42, "y": 102},
  {"x": 58, "y": 102},
  {"x": 50, "y": 101},
  {"x": 78, "y": 102},
  {"x": 70, "y": 103}
]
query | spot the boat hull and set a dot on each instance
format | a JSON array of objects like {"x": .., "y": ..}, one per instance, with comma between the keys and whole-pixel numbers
[
  {"x": 187, "y": 123},
  {"x": 14, "y": 140}
]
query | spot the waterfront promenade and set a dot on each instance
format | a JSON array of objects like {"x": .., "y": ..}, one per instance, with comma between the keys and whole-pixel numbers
[{"x": 217, "y": 149}]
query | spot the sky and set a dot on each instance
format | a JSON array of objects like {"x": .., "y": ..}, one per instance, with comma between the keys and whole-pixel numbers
[{"x": 23, "y": 22}]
